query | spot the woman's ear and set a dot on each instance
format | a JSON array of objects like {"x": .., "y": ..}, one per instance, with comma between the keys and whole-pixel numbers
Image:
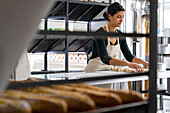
[{"x": 109, "y": 16}]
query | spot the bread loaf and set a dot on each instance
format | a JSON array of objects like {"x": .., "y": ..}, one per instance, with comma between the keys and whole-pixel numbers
[
  {"x": 91, "y": 87},
  {"x": 38, "y": 103},
  {"x": 127, "y": 96},
  {"x": 100, "y": 98},
  {"x": 14, "y": 106},
  {"x": 73, "y": 99}
]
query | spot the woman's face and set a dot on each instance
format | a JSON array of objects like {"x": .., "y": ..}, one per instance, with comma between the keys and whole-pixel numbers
[{"x": 117, "y": 19}]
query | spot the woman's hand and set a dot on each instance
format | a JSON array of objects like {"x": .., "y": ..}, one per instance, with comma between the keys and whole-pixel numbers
[
  {"x": 140, "y": 61},
  {"x": 135, "y": 66},
  {"x": 145, "y": 64}
]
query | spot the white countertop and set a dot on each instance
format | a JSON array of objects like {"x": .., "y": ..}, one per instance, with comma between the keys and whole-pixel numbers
[{"x": 77, "y": 75}]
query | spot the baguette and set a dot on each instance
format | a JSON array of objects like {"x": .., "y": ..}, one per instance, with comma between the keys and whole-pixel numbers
[
  {"x": 100, "y": 98},
  {"x": 73, "y": 99},
  {"x": 127, "y": 96},
  {"x": 39, "y": 103},
  {"x": 91, "y": 87},
  {"x": 14, "y": 106}
]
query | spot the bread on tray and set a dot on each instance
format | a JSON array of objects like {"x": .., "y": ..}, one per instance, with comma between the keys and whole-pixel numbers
[
  {"x": 39, "y": 103},
  {"x": 73, "y": 99},
  {"x": 100, "y": 98},
  {"x": 127, "y": 96},
  {"x": 14, "y": 106}
]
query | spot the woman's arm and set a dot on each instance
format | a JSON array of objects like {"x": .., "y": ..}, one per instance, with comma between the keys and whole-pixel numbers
[
  {"x": 129, "y": 56},
  {"x": 140, "y": 61},
  {"x": 118, "y": 62},
  {"x": 102, "y": 51},
  {"x": 99, "y": 48},
  {"x": 126, "y": 51}
]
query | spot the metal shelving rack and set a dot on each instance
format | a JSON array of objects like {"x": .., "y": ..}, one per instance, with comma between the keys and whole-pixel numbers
[
  {"x": 152, "y": 105},
  {"x": 141, "y": 107},
  {"x": 66, "y": 10},
  {"x": 148, "y": 107}
]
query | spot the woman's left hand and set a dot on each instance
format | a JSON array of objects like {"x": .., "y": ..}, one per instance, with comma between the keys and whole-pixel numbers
[
  {"x": 140, "y": 61},
  {"x": 145, "y": 64}
]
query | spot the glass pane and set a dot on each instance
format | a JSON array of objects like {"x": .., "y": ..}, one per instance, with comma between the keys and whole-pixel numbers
[
  {"x": 36, "y": 61},
  {"x": 56, "y": 61},
  {"x": 77, "y": 61}
]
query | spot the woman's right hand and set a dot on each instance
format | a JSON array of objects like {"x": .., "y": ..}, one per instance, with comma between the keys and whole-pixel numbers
[{"x": 135, "y": 66}]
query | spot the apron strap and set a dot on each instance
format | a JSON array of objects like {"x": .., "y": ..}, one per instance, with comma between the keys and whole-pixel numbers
[{"x": 107, "y": 29}]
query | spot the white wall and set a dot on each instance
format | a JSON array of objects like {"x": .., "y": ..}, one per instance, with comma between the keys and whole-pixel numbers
[{"x": 163, "y": 17}]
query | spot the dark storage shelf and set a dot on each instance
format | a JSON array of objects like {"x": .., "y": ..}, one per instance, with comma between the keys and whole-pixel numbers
[
  {"x": 47, "y": 41},
  {"x": 57, "y": 44},
  {"x": 80, "y": 34},
  {"x": 78, "y": 10}
]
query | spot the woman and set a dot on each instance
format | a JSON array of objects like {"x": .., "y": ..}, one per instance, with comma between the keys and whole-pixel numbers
[{"x": 106, "y": 50}]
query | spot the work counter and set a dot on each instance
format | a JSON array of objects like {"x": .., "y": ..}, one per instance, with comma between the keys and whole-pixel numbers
[{"x": 122, "y": 77}]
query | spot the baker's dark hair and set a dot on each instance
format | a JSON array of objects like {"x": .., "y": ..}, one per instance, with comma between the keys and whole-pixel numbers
[{"x": 113, "y": 9}]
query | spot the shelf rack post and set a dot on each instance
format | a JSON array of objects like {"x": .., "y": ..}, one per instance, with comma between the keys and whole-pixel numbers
[
  {"x": 152, "y": 105},
  {"x": 45, "y": 55},
  {"x": 66, "y": 37}
]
